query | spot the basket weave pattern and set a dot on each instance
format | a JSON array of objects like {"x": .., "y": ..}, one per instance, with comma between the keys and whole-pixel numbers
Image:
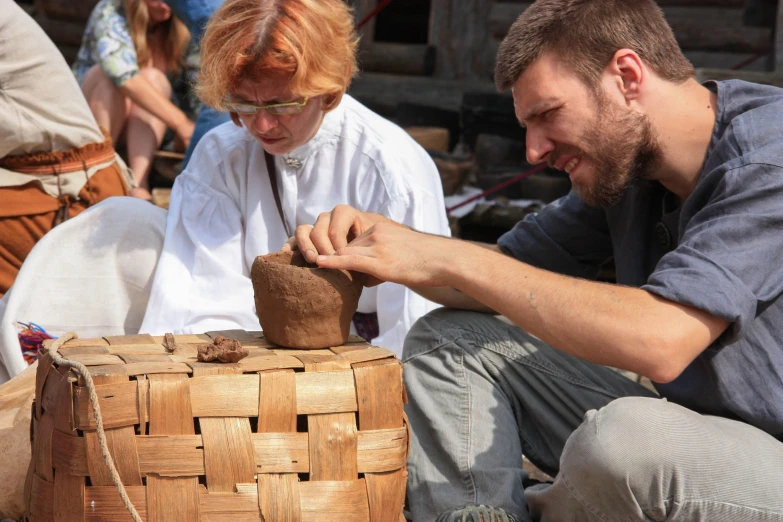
[{"x": 281, "y": 436}]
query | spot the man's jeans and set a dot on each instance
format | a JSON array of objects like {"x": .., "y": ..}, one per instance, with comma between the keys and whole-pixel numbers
[
  {"x": 195, "y": 14},
  {"x": 482, "y": 392}
]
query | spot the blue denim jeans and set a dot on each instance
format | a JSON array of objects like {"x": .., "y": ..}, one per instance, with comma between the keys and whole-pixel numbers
[
  {"x": 208, "y": 119},
  {"x": 195, "y": 14},
  {"x": 482, "y": 392}
]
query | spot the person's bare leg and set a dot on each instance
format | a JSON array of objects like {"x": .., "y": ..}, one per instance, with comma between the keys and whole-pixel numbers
[
  {"x": 109, "y": 106},
  {"x": 145, "y": 134}
]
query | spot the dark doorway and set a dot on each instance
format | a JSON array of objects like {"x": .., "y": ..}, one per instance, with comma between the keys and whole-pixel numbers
[{"x": 404, "y": 21}]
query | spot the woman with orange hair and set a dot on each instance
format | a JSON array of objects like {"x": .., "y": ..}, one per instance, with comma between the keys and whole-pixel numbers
[
  {"x": 298, "y": 146},
  {"x": 131, "y": 54}
]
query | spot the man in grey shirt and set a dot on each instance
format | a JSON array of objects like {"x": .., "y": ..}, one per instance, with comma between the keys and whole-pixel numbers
[{"x": 681, "y": 184}]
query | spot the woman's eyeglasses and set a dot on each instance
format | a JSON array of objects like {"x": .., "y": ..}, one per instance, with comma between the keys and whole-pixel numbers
[{"x": 276, "y": 109}]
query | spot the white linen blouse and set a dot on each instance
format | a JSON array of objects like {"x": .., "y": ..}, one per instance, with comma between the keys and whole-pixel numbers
[{"x": 222, "y": 214}]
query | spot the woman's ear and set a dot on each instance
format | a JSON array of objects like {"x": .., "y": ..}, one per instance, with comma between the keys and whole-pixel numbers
[
  {"x": 235, "y": 119},
  {"x": 330, "y": 101}
]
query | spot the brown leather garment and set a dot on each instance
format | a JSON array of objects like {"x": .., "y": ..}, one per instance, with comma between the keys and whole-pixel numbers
[{"x": 27, "y": 212}]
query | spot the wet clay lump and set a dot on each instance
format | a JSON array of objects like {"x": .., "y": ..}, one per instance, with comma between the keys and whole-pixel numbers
[
  {"x": 223, "y": 349},
  {"x": 302, "y": 306}
]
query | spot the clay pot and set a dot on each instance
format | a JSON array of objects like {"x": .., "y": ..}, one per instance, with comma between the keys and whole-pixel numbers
[{"x": 302, "y": 306}]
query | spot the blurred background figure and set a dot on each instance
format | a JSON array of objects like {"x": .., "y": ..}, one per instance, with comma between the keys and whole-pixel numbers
[
  {"x": 54, "y": 159},
  {"x": 195, "y": 14},
  {"x": 135, "y": 66}
]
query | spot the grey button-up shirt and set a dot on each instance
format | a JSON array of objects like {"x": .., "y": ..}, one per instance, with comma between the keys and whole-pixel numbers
[{"x": 719, "y": 252}]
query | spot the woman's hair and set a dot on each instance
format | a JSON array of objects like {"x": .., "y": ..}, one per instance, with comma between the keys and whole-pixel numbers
[
  {"x": 311, "y": 41},
  {"x": 175, "y": 35},
  {"x": 587, "y": 34}
]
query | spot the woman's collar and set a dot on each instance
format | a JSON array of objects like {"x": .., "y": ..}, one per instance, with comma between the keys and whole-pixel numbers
[{"x": 327, "y": 132}]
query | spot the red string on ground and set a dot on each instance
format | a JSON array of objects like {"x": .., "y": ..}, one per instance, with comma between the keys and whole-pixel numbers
[{"x": 497, "y": 187}]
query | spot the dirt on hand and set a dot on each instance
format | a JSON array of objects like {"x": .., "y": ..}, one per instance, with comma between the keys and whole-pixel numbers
[{"x": 223, "y": 349}]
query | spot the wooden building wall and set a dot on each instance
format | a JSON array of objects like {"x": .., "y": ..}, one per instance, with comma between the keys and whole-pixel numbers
[
  {"x": 462, "y": 41},
  {"x": 465, "y": 34}
]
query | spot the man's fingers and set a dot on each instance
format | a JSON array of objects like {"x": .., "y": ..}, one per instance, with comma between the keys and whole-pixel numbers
[
  {"x": 361, "y": 240},
  {"x": 357, "y": 259},
  {"x": 350, "y": 258}
]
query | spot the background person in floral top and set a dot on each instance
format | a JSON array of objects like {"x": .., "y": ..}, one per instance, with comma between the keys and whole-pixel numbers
[{"x": 134, "y": 66}]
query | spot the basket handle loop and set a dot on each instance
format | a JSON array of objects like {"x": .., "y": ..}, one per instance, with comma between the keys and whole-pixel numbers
[{"x": 82, "y": 370}]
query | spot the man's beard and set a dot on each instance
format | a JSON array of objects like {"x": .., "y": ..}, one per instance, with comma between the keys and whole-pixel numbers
[{"x": 622, "y": 147}]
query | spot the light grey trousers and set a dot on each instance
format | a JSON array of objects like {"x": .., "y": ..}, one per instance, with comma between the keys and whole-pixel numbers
[{"x": 482, "y": 392}]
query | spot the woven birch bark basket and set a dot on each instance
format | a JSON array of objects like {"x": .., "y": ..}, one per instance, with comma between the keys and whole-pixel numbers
[{"x": 280, "y": 436}]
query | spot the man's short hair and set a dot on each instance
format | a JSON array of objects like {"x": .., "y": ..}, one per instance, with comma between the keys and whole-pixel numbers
[
  {"x": 587, "y": 34},
  {"x": 312, "y": 41}
]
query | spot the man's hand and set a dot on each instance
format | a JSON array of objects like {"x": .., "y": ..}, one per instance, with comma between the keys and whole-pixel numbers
[
  {"x": 332, "y": 231},
  {"x": 349, "y": 239},
  {"x": 390, "y": 252}
]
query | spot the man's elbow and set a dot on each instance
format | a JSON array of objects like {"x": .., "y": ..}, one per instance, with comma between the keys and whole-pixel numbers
[
  {"x": 673, "y": 353},
  {"x": 674, "y": 344},
  {"x": 665, "y": 372}
]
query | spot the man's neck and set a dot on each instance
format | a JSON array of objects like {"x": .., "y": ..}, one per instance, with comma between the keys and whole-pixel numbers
[{"x": 684, "y": 117}]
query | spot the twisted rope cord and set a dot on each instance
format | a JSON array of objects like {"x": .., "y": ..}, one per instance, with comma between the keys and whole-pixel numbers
[{"x": 107, "y": 458}]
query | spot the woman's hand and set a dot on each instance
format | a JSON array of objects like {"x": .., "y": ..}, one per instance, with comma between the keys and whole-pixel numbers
[{"x": 183, "y": 132}]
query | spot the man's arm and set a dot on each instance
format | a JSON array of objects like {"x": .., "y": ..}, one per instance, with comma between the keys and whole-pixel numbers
[
  {"x": 607, "y": 324},
  {"x": 453, "y": 298},
  {"x": 333, "y": 230}
]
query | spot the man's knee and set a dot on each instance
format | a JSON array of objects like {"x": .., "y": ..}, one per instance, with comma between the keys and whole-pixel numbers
[
  {"x": 624, "y": 439},
  {"x": 438, "y": 328}
]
